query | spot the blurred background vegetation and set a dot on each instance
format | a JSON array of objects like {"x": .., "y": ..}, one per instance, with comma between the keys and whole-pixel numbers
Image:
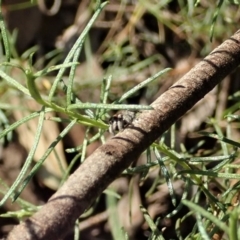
[{"x": 130, "y": 41}]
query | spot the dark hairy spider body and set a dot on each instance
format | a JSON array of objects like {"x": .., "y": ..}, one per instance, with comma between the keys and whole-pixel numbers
[{"x": 119, "y": 121}]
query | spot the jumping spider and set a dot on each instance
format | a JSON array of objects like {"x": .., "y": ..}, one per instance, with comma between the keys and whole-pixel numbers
[{"x": 120, "y": 121}]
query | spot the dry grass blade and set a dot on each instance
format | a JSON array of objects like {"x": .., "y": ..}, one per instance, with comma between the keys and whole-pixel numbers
[{"x": 50, "y": 173}]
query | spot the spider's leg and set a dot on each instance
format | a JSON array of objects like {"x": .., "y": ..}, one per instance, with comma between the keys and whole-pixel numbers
[
  {"x": 120, "y": 122},
  {"x": 111, "y": 129}
]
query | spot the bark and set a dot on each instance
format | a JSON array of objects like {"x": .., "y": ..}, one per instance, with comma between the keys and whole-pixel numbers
[{"x": 58, "y": 215}]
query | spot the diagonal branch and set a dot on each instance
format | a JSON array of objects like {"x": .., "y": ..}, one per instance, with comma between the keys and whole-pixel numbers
[{"x": 58, "y": 215}]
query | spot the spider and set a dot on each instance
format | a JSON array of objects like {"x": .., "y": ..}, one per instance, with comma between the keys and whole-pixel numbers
[{"x": 119, "y": 121}]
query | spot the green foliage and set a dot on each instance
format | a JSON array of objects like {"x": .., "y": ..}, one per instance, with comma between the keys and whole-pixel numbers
[{"x": 194, "y": 21}]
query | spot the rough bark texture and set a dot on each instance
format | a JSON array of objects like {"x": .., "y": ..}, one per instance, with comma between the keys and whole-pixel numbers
[{"x": 58, "y": 215}]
